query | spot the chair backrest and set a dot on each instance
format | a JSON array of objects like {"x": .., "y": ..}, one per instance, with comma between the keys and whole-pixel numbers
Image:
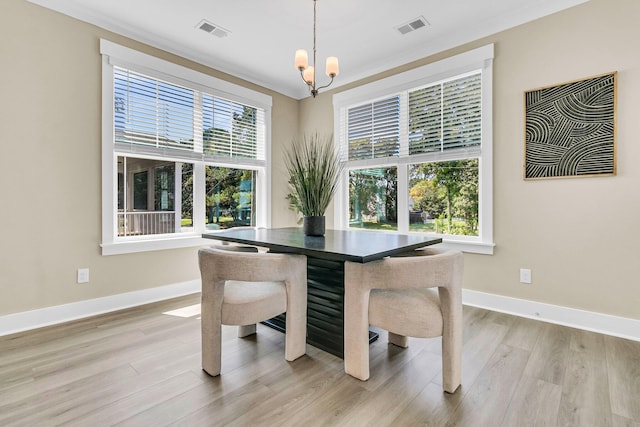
[
  {"x": 421, "y": 268},
  {"x": 221, "y": 264}
]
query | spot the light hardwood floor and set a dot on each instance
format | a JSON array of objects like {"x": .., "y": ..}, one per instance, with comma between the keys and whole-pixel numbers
[{"x": 140, "y": 367}]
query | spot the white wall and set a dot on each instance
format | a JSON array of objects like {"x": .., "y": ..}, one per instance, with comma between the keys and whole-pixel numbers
[
  {"x": 50, "y": 173},
  {"x": 579, "y": 236}
]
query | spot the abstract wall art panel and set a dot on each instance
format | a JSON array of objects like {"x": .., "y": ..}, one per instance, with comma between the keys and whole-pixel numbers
[{"x": 570, "y": 129}]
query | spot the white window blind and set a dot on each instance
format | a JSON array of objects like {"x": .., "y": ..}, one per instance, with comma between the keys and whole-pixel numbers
[
  {"x": 442, "y": 116},
  {"x": 374, "y": 129},
  {"x": 446, "y": 116},
  {"x": 152, "y": 112},
  {"x": 158, "y": 114},
  {"x": 230, "y": 128}
]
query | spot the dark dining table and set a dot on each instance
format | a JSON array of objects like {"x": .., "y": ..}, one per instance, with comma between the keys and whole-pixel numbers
[{"x": 326, "y": 256}]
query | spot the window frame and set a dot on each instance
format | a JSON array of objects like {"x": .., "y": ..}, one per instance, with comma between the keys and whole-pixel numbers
[
  {"x": 465, "y": 63},
  {"x": 120, "y": 56}
]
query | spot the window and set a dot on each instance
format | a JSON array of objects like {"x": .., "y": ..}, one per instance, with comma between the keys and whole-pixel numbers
[
  {"x": 183, "y": 153},
  {"x": 146, "y": 183},
  {"x": 417, "y": 151},
  {"x": 373, "y": 195},
  {"x": 230, "y": 196}
]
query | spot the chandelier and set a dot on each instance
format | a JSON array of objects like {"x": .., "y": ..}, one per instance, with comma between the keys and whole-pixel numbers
[{"x": 308, "y": 72}]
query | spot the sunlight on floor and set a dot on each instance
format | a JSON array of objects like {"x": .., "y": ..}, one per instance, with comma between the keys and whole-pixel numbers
[{"x": 189, "y": 311}]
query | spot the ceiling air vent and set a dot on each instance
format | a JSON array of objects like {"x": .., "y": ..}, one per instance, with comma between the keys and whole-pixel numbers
[
  {"x": 212, "y": 28},
  {"x": 414, "y": 24}
]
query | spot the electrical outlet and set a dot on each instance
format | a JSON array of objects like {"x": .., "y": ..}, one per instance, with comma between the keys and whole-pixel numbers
[
  {"x": 525, "y": 275},
  {"x": 83, "y": 275}
]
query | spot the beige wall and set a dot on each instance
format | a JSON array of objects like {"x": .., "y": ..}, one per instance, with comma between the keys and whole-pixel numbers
[
  {"x": 50, "y": 171},
  {"x": 579, "y": 236}
]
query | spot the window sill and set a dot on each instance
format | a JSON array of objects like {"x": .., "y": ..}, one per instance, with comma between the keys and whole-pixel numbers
[
  {"x": 153, "y": 244},
  {"x": 483, "y": 248}
]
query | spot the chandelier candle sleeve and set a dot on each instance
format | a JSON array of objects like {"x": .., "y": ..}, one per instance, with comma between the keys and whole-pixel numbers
[
  {"x": 302, "y": 59},
  {"x": 332, "y": 66},
  {"x": 308, "y": 75}
]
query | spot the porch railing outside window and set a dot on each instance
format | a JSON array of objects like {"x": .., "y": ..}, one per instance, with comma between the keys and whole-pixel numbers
[{"x": 145, "y": 223}]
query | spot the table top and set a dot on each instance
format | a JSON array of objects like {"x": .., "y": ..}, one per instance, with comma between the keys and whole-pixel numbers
[{"x": 335, "y": 245}]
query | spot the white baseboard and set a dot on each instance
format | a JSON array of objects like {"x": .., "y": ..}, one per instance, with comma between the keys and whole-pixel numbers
[
  {"x": 590, "y": 321},
  {"x": 27, "y": 320},
  {"x": 587, "y": 320}
]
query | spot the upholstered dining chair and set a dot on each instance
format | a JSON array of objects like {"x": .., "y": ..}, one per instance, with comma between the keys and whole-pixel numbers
[
  {"x": 243, "y": 287},
  {"x": 415, "y": 295}
]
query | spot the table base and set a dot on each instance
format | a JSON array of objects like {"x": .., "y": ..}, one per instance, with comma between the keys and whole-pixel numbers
[{"x": 325, "y": 307}]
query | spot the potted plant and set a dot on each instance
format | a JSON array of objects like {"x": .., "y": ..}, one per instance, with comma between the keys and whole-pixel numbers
[{"x": 314, "y": 169}]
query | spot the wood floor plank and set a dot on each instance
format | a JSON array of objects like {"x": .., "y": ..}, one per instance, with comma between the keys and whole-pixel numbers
[
  {"x": 623, "y": 367},
  {"x": 66, "y": 355},
  {"x": 82, "y": 401},
  {"x": 195, "y": 404},
  {"x": 535, "y": 404},
  {"x": 224, "y": 410},
  {"x": 327, "y": 409},
  {"x": 432, "y": 407},
  {"x": 619, "y": 421},
  {"x": 384, "y": 404},
  {"x": 306, "y": 380},
  {"x": 548, "y": 361},
  {"x": 499, "y": 318},
  {"x": 487, "y": 400},
  {"x": 174, "y": 409},
  {"x": 34, "y": 404},
  {"x": 585, "y": 397},
  {"x": 484, "y": 339},
  {"x": 136, "y": 403},
  {"x": 523, "y": 333}
]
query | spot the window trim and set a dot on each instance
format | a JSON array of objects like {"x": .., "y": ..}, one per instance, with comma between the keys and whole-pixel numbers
[
  {"x": 117, "y": 55},
  {"x": 480, "y": 58}
]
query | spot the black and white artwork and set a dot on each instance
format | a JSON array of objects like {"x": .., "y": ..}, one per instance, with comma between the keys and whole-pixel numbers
[{"x": 570, "y": 129}]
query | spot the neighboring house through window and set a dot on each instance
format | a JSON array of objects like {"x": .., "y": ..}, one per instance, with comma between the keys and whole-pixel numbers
[
  {"x": 417, "y": 151},
  {"x": 183, "y": 153}
]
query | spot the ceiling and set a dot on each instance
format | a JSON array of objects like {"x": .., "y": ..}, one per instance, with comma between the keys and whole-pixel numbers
[{"x": 263, "y": 35}]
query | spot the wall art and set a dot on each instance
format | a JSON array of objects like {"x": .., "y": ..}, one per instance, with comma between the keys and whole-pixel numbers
[{"x": 570, "y": 129}]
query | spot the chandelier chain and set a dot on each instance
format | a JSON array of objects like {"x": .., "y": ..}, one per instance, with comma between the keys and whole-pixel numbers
[{"x": 315, "y": 65}]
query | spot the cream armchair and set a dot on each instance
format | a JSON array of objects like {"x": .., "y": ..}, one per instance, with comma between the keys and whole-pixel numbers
[
  {"x": 243, "y": 288},
  {"x": 416, "y": 295}
]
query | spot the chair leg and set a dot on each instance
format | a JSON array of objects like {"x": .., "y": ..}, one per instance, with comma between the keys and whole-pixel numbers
[
  {"x": 399, "y": 340},
  {"x": 451, "y": 359},
  {"x": 246, "y": 330},
  {"x": 211, "y": 330},
  {"x": 295, "y": 332},
  {"x": 451, "y": 340},
  {"x": 356, "y": 334},
  {"x": 451, "y": 366},
  {"x": 211, "y": 343},
  {"x": 296, "y": 316}
]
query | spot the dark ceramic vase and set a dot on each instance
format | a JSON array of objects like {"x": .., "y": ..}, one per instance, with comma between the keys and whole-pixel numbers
[{"x": 313, "y": 225}]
